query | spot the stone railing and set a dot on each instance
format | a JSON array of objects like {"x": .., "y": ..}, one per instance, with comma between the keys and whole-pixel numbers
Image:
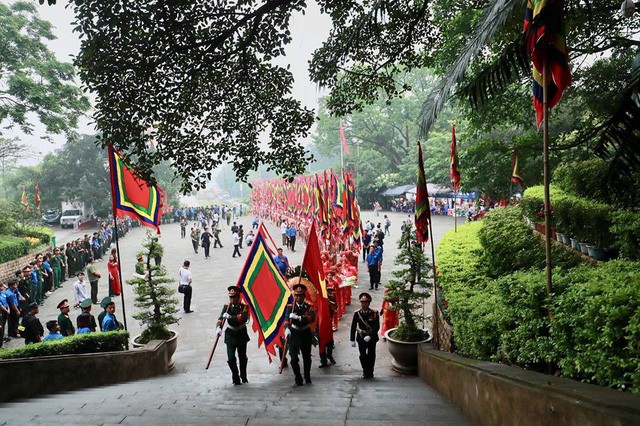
[
  {"x": 28, "y": 377},
  {"x": 496, "y": 394}
]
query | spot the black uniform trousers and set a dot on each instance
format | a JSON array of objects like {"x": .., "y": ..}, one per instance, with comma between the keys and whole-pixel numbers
[
  {"x": 187, "y": 298},
  {"x": 367, "y": 356}
]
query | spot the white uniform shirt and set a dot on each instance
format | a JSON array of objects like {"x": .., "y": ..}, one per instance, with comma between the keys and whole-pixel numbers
[{"x": 79, "y": 291}]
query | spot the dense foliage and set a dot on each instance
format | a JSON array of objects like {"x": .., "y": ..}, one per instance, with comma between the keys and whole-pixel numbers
[
  {"x": 154, "y": 299},
  {"x": 586, "y": 330},
  {"x": 33, "y": 83},
  {"x": 111, "y": 341}
]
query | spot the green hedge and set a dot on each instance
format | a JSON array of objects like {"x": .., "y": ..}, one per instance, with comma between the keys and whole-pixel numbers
[
  {"x": 510, "y": 245},
  {"x": 587, "y": 220},
  {"x": 626, "y": 229},
  {"x": 588, "y": 329},
  {"x": 12, "y": 248},
  {"x": 42, "y": 233},
  {"x": 111, "y": 341},
  {"x": 596, "y": 324}
]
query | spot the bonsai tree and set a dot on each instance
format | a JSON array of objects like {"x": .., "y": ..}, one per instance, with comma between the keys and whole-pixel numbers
[
  {"x": 409, "y": 288},
  {"x": 154, "y": 298}
]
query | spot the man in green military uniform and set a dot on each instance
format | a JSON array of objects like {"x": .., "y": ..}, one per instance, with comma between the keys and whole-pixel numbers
[
  {"x": 236, "y": 337},
  {"x": 66, "y": 325},
  {"x": 366, "y": 322},
  {"x": 298, "y": 319},
  {"x": 57, "y": 264}
]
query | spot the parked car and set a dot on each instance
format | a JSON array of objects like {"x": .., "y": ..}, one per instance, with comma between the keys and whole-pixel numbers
[
  {"x": 51, "y": 217},
  {"x": 70, "y": 218}
]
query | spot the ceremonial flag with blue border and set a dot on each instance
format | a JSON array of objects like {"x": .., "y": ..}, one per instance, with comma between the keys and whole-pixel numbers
[
  {"x": 265, "y": 291},
  {"x": 133, "y": 196}
]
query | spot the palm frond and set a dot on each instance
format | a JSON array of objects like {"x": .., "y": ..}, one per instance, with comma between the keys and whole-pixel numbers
[
  {"x": 512, "y": 64},
  {"x": 494, "y": 17},
  {"x": 618, "y": 138}
]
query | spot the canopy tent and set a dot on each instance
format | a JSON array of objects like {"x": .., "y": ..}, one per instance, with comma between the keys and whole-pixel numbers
[{"x": 435, "y": 191}]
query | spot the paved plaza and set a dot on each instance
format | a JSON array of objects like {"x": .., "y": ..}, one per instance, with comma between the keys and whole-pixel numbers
[{"x": 192, "y": 395}]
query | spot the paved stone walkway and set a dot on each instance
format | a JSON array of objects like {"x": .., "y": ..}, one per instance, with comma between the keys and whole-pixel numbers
[{"x": 191, "y": 395}]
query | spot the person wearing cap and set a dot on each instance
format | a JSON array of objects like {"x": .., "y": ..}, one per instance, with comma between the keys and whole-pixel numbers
[
  {"x": 33, "y": 330},
  {"x": 66, "y": 325},
  {"x": 86, "y": 322},
  {"x": 79, "y": 289},
  {"x": 109, "y": 321},
  {"x": 57, "y": 263},
  {"x": 236, "y": 337},
  {"x": 299, "y": 316},
  {"x": 54, "y": 331},
  {"x": 365, "y": 325},
  {"x": 103, "y": 304}
]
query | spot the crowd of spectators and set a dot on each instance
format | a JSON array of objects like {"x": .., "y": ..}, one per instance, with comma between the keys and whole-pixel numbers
[{"x": 21, "y": 296}]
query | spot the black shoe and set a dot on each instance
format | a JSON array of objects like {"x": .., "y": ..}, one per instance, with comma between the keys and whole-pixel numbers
[
  {"x": 245, "y": 381},
  {"x": 188, "y": 312},
  {"x": 237, "y": 383},
  {"x": 298, "y": 383},
  {"x": 308, "y": 381},
  {"x": 332, "y": 360},
  {"x": 323, "y": 365}
]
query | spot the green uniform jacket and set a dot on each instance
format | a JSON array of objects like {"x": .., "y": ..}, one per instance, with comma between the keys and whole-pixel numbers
[
  {"x": 66, "y": 325},
  {"x": 301, "y": 334},
  {"x": 236, "y": 331}
]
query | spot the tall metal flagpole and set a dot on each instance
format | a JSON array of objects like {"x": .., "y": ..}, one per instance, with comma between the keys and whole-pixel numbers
[{"x": 545, "y": 162}]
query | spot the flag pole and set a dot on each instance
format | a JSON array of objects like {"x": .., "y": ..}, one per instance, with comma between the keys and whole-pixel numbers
[
  {"x": 124, "y": 311},
  {"x": 436, "y": 336},
  {"x": 455, "y": 216},
  {"x": 545, "y": 162}
]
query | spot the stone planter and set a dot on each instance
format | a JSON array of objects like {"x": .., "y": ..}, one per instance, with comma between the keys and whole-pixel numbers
[
  {"x": 597, "y": 253},
  {"x": 172, "y": 345},
  {"x": 559, "y": 237},
  {"x": 405, "y": 354},
  {"x": 583, "y": 248},
  {"x": 575, "y": 244},
  {"x": 566, "y": 240}
]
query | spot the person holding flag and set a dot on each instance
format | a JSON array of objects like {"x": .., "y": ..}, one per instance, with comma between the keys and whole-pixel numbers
[
  {"x": 299, "y": 316},
  {"x": 236, "y": 337}
]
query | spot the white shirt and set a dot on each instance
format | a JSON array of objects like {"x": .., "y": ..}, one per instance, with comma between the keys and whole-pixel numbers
[
  {"x": 236, "y": 239},
  {"x": 283, "y": 228},
  {"x": 185, "y": 276},
  {"x": 79, "y": 291}
]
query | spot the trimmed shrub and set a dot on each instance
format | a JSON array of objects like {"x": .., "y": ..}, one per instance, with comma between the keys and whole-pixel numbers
[
  {"x": 587, "y": 178},
  {"x": 112, "y": 341},
  {"x": 510, "y": 245},
  {"x": 42, "y": 233},
  {"x": 459, "y": 257},
  {"x": 596, "y": 324},
  {"x": 524, "y": 324},
  {"x": 12, "y": 248}
]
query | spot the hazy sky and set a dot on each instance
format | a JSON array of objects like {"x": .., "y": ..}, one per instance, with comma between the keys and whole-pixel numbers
[{"x": 309, "y": 31}]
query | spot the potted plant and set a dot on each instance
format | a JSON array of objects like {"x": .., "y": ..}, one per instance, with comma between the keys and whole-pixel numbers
[
  {"x": 410, "y": 289},
  {"x": 155, "y": 301}
]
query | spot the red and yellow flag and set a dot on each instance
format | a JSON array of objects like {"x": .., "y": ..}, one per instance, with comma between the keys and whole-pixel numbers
[
  {"x": 453, "y": 159},
  {"x": 265, "y": 291},
  {"x": 133, "y": 196},
  {"x": 312, "y": 263},
  {"x": 423, "y": 211},
  {"x": 516, "y": 176},
  {"x": 24, "y": 202}
]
